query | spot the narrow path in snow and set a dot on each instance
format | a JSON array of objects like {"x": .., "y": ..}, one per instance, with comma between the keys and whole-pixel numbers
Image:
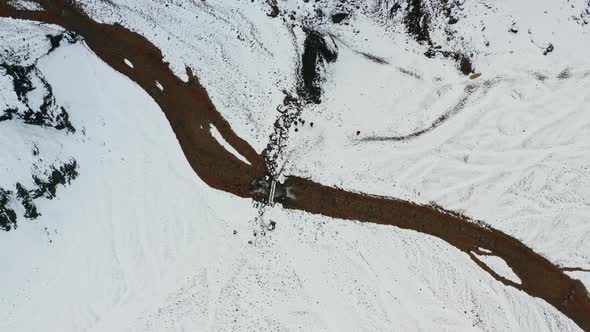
[
  {"x": 470, "y": 89},
  {"x": 191, "y": 113}
]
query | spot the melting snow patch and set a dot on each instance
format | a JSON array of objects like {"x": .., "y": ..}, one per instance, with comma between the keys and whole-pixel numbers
[
  {"x": 217, "y": 135},
  {"x": 484, "y": 250},
  {"x": 159, "y": 86},
  {"x": 500, "y": 267},
  {"x": 128, "y": 63}
]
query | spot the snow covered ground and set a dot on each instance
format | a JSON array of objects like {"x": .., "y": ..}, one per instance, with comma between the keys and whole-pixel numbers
[
  {"x": 512, "y": 153},
  {"x": 137, "y": 242}
]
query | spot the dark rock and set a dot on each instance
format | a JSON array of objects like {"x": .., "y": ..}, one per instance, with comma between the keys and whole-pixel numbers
[
  {"x": 417, "y": 21},
  {"x": 7, "y": 215},
  {"x": 339, "y": 17}
]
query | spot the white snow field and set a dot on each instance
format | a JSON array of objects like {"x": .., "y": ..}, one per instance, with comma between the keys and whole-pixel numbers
[{"x": 137, "y": 242}]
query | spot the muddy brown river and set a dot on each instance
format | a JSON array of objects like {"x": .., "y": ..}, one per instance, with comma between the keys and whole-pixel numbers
[{"x": 191, "y": 113}]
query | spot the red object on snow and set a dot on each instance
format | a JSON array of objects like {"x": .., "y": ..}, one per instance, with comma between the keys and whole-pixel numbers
[{"x": 358, "y": 132}]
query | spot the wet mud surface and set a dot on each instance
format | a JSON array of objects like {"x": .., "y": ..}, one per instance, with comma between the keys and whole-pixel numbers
[{"x": 190, "y": 112}]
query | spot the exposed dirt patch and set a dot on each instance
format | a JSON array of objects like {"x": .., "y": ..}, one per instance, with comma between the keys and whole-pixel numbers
[{"x": 318, "y": 51}]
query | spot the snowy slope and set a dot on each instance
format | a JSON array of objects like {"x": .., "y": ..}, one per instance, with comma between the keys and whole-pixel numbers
[{"x": 137, "y": 242}]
